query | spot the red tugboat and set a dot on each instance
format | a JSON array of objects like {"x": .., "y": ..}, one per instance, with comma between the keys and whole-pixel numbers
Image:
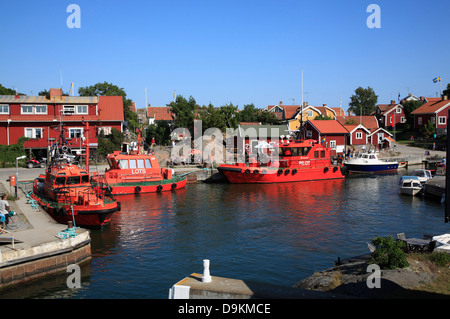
[
  {"x": 297, "y": 161},
  {"x": 135, "y": 173},
  {"x": 66, "y": 193}
]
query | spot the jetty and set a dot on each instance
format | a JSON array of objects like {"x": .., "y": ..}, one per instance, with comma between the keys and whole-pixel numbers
[{"x": 39, "y": 247}]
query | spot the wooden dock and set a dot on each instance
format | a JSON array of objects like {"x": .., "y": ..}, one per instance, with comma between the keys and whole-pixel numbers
[{"x": 435, "y": 188}]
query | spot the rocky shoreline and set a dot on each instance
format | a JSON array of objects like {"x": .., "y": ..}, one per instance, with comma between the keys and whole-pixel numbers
[{"x": 350, "y": 278}]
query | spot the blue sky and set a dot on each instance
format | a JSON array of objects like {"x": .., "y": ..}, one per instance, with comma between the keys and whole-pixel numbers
[{"x": 224, "y": 52}]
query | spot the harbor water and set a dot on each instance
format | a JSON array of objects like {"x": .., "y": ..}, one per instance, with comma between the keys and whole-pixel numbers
[{"x": 271, "y": 233}]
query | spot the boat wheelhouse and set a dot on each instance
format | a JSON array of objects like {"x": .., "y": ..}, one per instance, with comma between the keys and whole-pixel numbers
[{"x": 369, "y": 163}]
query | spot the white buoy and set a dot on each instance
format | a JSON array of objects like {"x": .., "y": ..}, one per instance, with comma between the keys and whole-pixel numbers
[{"x": 206, "y": 276}]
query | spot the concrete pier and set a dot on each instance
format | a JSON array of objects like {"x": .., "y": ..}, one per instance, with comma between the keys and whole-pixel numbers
[{"x": 40, "y": 252}]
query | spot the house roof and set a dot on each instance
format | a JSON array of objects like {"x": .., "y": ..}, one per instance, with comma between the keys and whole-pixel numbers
[
  {"x": 432, "y": 106},
  {"x": 368, "y": 121},
  {"x": 263, "y": 131},
  {"x": 353, "y": 127},
  {"x": 339, "y": 111},
  {"x": 160, "y": 113},
  {"x": 328, "y": 126},
  {"x": 288, "y": 110}
]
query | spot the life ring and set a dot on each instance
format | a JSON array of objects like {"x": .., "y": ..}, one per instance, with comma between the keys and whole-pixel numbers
[
  {"x": 137, "y": 189},
  {"x": 247, "y": 171},
  {"x": 255, "y": 172},
  {"x": 287, "y": 171},
  {"x": 159, "y": 188},
  {"x": 325, "y": 169},
  {"x": 280, "y": 171},
  {"x": 174, "y": 186},
  {"x": 294, "y": 171},
  {"x": 335, "y": 169}
]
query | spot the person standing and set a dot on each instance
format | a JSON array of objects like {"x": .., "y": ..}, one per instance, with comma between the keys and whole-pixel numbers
[{"x": 4, "y": 207}]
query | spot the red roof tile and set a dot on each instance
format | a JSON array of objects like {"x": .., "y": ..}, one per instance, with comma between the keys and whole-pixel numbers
[
  {"x": 432, "y": 106},
  {"x": 328, "y": 126},
  {"x": 163, "y": 113},
  {"x": 110, "y": 108},
  {"x": 368, "y": 121}
]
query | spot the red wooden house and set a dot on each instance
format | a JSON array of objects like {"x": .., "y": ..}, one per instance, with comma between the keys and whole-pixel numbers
[
  {"x": 38, "y": 117},
  {"x": 389, "y": 115},
  {"x": 434, "y": 110},
  {"x": 358, "y": 134},
  {"x": 330, "y": 132}
]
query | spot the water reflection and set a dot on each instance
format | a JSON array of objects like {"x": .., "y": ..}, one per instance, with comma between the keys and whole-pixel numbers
[{"x": 274, "y": 233}]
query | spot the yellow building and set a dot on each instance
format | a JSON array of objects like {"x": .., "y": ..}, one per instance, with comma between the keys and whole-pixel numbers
[{"x": 310, "y": 113}]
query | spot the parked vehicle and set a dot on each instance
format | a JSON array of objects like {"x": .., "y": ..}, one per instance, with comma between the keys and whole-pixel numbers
[{"x": 31, "y": 163}]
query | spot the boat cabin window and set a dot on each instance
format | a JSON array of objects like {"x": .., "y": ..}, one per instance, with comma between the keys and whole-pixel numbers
[
  {"x": 140, "y": 163},
  {"x": 123, "y": 164},
  {"x": 73, "y": 180},
  {"x": 148, "y": 164},
  {"x": 84, "y": 178},
  {"x": 316, "y": 154},
  {"x": 60, "y": 181},
  {"x": 132, "y": 163},
  {"x": 322, "y": 153},
  {"x": 294, "y": 151},
  {"x": 372, "y": 157}
]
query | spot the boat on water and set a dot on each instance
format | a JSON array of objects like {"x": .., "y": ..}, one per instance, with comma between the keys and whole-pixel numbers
[
  {"x": 294, "y": 161},
  {"x": 66, "y": 194},
  {"x": 133, "y": 172},
  {"x": 410, "y": 185},
  {"x": 423, "y": 175},
  {"x": 369, "y": 163}
]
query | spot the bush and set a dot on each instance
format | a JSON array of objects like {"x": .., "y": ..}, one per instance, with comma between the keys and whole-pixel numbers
[
  {"x": 440, "y": 258},
  {"x": 388, "y": 254}
]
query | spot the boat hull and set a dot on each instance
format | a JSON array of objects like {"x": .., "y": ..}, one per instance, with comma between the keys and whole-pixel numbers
[
  {"x": 410, "y": 191},
  {"x": 247, "y": 175},
  {"x": 146, "y": 187},
  {"x": 371, "y": 168},
  {"x": 92, "y": 217}
]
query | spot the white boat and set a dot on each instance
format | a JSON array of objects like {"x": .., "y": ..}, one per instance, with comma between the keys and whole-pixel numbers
[
  {"x": 369, "y": 163},
  {"x": 424, "y": 175},
  {"x": 409, "y": 185}
]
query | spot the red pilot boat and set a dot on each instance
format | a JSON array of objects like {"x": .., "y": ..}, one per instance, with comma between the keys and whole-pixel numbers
[
  {"x": 66, "y": 193},
  {"x": 297, "y": 161},
  {"x": 136, "y": 173}
]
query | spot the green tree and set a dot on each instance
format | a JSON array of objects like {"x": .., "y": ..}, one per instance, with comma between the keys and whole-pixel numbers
[
  {"x": 110, "y": 143},
  {"x": 6, "y": 91},
  {"x": 249, "y": 113},
  {"x": 230, "y": 115},
  {"x": 447, "y": 91},
  {"x": 323, "y": 117},
  {"x": 160, "y": 131},
  {"x": 184, "y": 111},
  {"x": 109, "y": 89},
  {"x": 408, "y": 107},
  {"x": 363, "y": 102},
  {"x": 388, "y": 253},
  {"x": 428, "y": 129}
]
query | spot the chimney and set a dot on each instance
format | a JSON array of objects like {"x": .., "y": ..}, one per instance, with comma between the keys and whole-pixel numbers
[
  {"x": 324, "y": 105},
  {"x": 281, "y": 103},
  {"x": 392, "y": 102},
  {"x": 444, "y": 97},
  {"x": 305, "y": 103},
  {"x": 422, "y": 98},
  {"x": 55, "y": 93}
]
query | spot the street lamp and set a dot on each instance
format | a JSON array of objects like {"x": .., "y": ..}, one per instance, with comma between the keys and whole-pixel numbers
[{"x": 17, "y": 170}]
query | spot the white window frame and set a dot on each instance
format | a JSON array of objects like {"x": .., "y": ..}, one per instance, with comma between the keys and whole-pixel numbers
[
  {"x": 77, "y": 110},
  {"x": 26, "y": 105},
  {"x": 403, "y": 119},
  {"x": 1, "y": 108},
  {"x": 398, "y": 110},
  {"x": 41, "y": 105},
  {"x": 309, "y": 113},
  {"x": 72, "y": 129},
  {"x": 333, "y": 144},
  {"x": 419, "y": 120},
  {"x": 33, "y": 132},
  {"x": 442, "y": 120},
  {"x": 359, "y": 135}
]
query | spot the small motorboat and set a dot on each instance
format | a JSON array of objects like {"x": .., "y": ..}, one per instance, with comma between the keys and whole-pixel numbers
[
  {"x": 369, "y": 163},
  {"x": 424, "y": 175},
  {"x": 410, "y": 185}
]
